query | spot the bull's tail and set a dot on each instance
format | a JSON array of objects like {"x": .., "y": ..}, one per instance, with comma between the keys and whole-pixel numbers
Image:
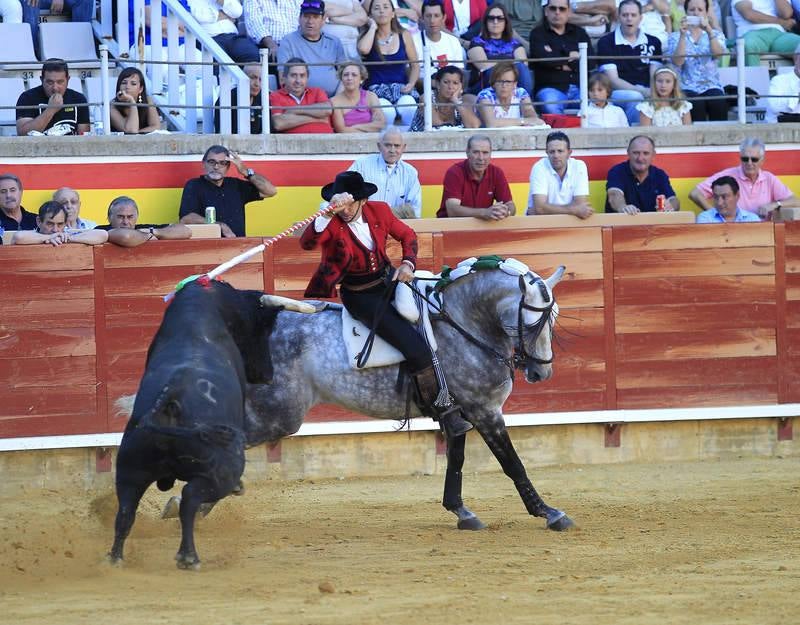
[{"x": 124, "y": 406}]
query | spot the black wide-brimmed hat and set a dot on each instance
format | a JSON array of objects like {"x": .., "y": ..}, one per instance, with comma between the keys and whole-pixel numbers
[{"x": 349, "y": 182}]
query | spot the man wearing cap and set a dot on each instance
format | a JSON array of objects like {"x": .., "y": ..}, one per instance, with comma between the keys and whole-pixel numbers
[
  {"x": 783, "y": 104},
  {"x": 322, "y": 52},
  {"x": 353, "y": 246}
]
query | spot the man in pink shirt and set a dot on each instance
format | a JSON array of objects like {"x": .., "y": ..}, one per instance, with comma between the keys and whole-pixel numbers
[{"x": 760, "y": 192}]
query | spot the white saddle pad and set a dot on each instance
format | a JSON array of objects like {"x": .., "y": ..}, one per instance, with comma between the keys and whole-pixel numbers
[{"x": 355, "y": 333}]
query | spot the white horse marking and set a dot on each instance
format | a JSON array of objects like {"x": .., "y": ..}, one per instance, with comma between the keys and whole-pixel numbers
[{"x": 206, "y": 388}]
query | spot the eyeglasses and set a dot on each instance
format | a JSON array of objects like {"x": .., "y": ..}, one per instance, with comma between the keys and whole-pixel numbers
[
  {"x": 550, "y": 7},
  {"x": 505, "y": 82},
  {"x": 751, "y": 159},
  {"x": 495, "y": 18},
  {"x": 215, "y": 163}
]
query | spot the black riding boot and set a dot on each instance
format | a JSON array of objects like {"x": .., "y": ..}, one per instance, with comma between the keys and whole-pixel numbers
[{"x": 449, "y": 417}]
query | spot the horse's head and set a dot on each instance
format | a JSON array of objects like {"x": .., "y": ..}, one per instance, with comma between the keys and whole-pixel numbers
[{"x": 530, "y": 321}]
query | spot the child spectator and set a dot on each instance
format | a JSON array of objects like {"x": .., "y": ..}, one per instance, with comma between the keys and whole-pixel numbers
[
  {"x": 602, "y": 113},
  {"x": 666, "y": 106},
  {"x": 133, "y": 111},
  {"x": 354, "y": 108},
  {"x": 504, "y": 103}
]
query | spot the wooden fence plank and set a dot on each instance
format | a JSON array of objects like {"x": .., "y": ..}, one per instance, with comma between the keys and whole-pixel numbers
[
  {"x": 690, "y": 372},
  {"x": 35, "y": 258},
  {"x": 705, "y": 262},
  {"x": 513, "y": 242},
  {"x": 556, "y": 402},
  {"x": 127, "y": 281},
  {"x": 724, "y": 343},
  {"x": 705, "y": 289},
  {"x": 36, "y": 372},
  {"x": 649, "y": 238},
  {"x": 48, "y": 343},
  {"x": 699, "y": 396},
  {"x": 53, "y": 424},
  {"x": 43, "y": 285},
  {"x": 201, "y": 252},
  {"x": 56, "y": 399},
  {"x": 53, "y": 312},
  {"x": 136, "y": 310},
  {"x": 694, "y": 317}
]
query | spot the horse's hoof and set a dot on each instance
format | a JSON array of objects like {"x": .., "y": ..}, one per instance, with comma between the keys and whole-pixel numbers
[
  {"x": 172, "y": 508},
  {"x": 113, "y": 560},
  {"x": 187, "y": 563},
  {"x": 472, "y": 523},
  {"x": 558, "y": 521}
]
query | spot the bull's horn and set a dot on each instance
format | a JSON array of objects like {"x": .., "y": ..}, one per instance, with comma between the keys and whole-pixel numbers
[
  {"x": 556, "y": 277},
  {"x": 276, "y": 301}
]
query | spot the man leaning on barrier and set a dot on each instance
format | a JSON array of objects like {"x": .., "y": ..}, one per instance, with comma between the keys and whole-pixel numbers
[
  {"x": 125, "y": 230},
  {"x": 633, "y": 186},
  {"x": 51, "y": 229},
  {"x": 725, "y": 191}
]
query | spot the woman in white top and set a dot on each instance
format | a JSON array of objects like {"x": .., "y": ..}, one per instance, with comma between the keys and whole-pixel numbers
[
  {"x": 504, "y": 103},
  {"x": 219, "y": 20},
  {"x": 666, "y": 106}
]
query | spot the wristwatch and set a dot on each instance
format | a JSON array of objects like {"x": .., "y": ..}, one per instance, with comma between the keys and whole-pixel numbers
[{"x": 249, "y": 173}]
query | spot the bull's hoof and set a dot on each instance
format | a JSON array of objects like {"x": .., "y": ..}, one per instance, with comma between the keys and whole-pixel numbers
[
  {"x": 239, "y": 490},
  {"x": 113, "y": 560},
  {"x": 187, "y": 562},
  {"x": 558, "y": 521},
  {"x": 473, "y": 523},
  {"x": 172, "y": 508}
]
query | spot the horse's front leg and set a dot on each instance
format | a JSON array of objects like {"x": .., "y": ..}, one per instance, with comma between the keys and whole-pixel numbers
[
  {"x": 467, "y": 520},
  {"x": 496, "y": 436}
]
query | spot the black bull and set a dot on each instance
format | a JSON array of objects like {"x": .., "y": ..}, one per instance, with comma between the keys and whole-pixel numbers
[{"x": 188, "y": 418}]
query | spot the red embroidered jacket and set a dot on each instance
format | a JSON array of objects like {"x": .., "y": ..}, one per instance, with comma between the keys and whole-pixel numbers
[{"x": 342, "y": 254}]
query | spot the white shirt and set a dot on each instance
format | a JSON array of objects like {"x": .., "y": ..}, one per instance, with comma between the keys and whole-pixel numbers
[
  {"x": 784, "y": 95},
  {"x": 207, "y": 13},
  {"x": 397, "y": 185},
  {"x": 610, "y": 116},
  {"x": 358, "y": 226},
  {"x": 448, "y": 47},
  {"x": 544, "y": 180},
  {"x": 461, "y": 16},
  {"x": 763, "y": 6}
]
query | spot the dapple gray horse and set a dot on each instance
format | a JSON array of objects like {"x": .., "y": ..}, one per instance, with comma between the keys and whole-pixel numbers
[{"x": 492, "y": 323}]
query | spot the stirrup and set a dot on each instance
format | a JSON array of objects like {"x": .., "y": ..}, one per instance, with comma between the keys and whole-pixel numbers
[{"x": 452, "y": 423}]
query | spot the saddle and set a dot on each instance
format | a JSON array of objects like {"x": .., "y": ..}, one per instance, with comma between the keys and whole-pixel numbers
[{"x": 355, "y": 333}]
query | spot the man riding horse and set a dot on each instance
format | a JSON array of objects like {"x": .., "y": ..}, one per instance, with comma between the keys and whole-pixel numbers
[{"x": 353, "y": 245}]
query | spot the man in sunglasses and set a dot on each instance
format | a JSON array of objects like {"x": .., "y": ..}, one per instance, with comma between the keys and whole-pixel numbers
[
  {"x": 228, "y": 195},
  {"x": 760, "y": 191}
]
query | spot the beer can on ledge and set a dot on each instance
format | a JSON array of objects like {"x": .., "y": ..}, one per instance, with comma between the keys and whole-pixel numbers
[
  {"x": 211, "y": 215},
  {"x": 661, "y": 204}
]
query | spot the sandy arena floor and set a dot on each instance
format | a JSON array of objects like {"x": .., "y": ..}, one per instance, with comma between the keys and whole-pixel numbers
[{"x": 700, "y": 543}]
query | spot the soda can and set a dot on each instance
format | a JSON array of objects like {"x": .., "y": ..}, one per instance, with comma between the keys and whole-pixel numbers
[
  {"x": 661, "y": 203},
  {"x": 211, "y": 215}
]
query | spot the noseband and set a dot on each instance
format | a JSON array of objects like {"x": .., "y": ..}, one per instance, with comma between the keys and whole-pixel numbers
[{"x": 521, "y": 355}]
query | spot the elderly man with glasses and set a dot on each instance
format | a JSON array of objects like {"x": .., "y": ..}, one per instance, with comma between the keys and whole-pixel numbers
[
  {"x": 760, "y": 191},
  {"x": 228, "y": 195}
]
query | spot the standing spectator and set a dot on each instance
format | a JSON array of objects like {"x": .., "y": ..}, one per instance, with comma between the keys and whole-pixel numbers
[
  {"x": 666, "y": 106},
  {"x": 504, "y": 103},
  {"x": 226, "y": 194},
  {"x": 13, "y": 216},
  {"x": 444, "y": 48},
  {"x": 253, "y": 72},
  {"x": 354, "y": 108},
  {"x": 268, "y": 21},
  {"x": 559, "y": 184},
  {"x": 594, "y": 16},
  {"x": 601, "y": 113},
  {"x": 451, "y": 107},
  {"x": 51, "y": 229},
  {"x": 394, "y": 82},
  {"x": 71, "y": 202},
  {"x": 11, "y": 11},
  {"x": 766, "y": 26},
  {"x": 125, "y": 230},
  {"x": 343, "y": 18},
  {"x": 320, "y": 51},
  {"x": 634, "y": 185},
  {"x": 725, "y": 191},
  {"x": 557, "y": 81},
  {"x": 219, "y": 17},
  {"x": 397, "y": 181},
  {"x": 475, "y": 187},
  {"x": 695, "y": 49},
  {"x": 630, "y": 77},
  {"x": 784, "y": 94},
  {"x": 296, "y": 107},
  {"x": 133, "y": 111},
  {"x": 760, "y": 192},
  {"x": 80, "y": 11},
  {"x": 52, "y": 108},
  {"x": 496, "y": 42},
  {"x": 459, "y": 15}
]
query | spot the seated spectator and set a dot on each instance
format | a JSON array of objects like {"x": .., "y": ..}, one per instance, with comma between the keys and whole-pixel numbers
[
  {"x": 633, "y": 186},
  {"x": 451, "y": 107},
  {"x": 343, "y": 18},
  {"x": 71, "y": 201},
  {"x": 504, "y": 103},
  {"x": 714, "y": 13},
  {"x": 725, "y": 191},
  {"x": 695, "y": 49},
  {"x": 11, "y": 11},
  {"x": 354, "y": 108},
  {"x": 460, "y": 15},
  {"x": 52, "y": 108},
  {"x": 132, "y": 110},
  {"x": 475, "y": 187},
  {"x": 397, "y": 181},
  {"x": 51, "y": 224},
  {"x": 443, "y": 48},
  {"x": 595, "y": 16},
  {"x": 766, "y": 26},
  {"x": 322, "y": 52},
  {"x": 125, "y": 230},
  {"x": 267, "y": 22},
  {"x": 80, "y": 11},
  {"x": 559, "y": 184},
  {"x": 656, "y": 18},
  {"x": 601, "y": 113},
  {"x": 760, "y": 192},
  {"x": 140, "y": 46},
  {"x": 557, "y": 80},
  {"x": 394, "y": 83},
  {"x": 253, "y": 72},
  {"x": 12, "y": 215},
  {"x": 297, "y": 108},
  {"x": 666, "y": 106},
  {"x": 784, "y": 94},
  {"x": 218, "y": 17},
  {"x": 228, "y": 195},
  {"x": 496, "y": 42},
  {"x": 408, "y": 12},
  {"x": 630, "y": 77}
]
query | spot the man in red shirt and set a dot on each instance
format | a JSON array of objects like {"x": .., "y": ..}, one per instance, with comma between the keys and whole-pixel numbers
[
  {"x": 296, "y": 107},
  {"x": 475, "y": 187}
]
